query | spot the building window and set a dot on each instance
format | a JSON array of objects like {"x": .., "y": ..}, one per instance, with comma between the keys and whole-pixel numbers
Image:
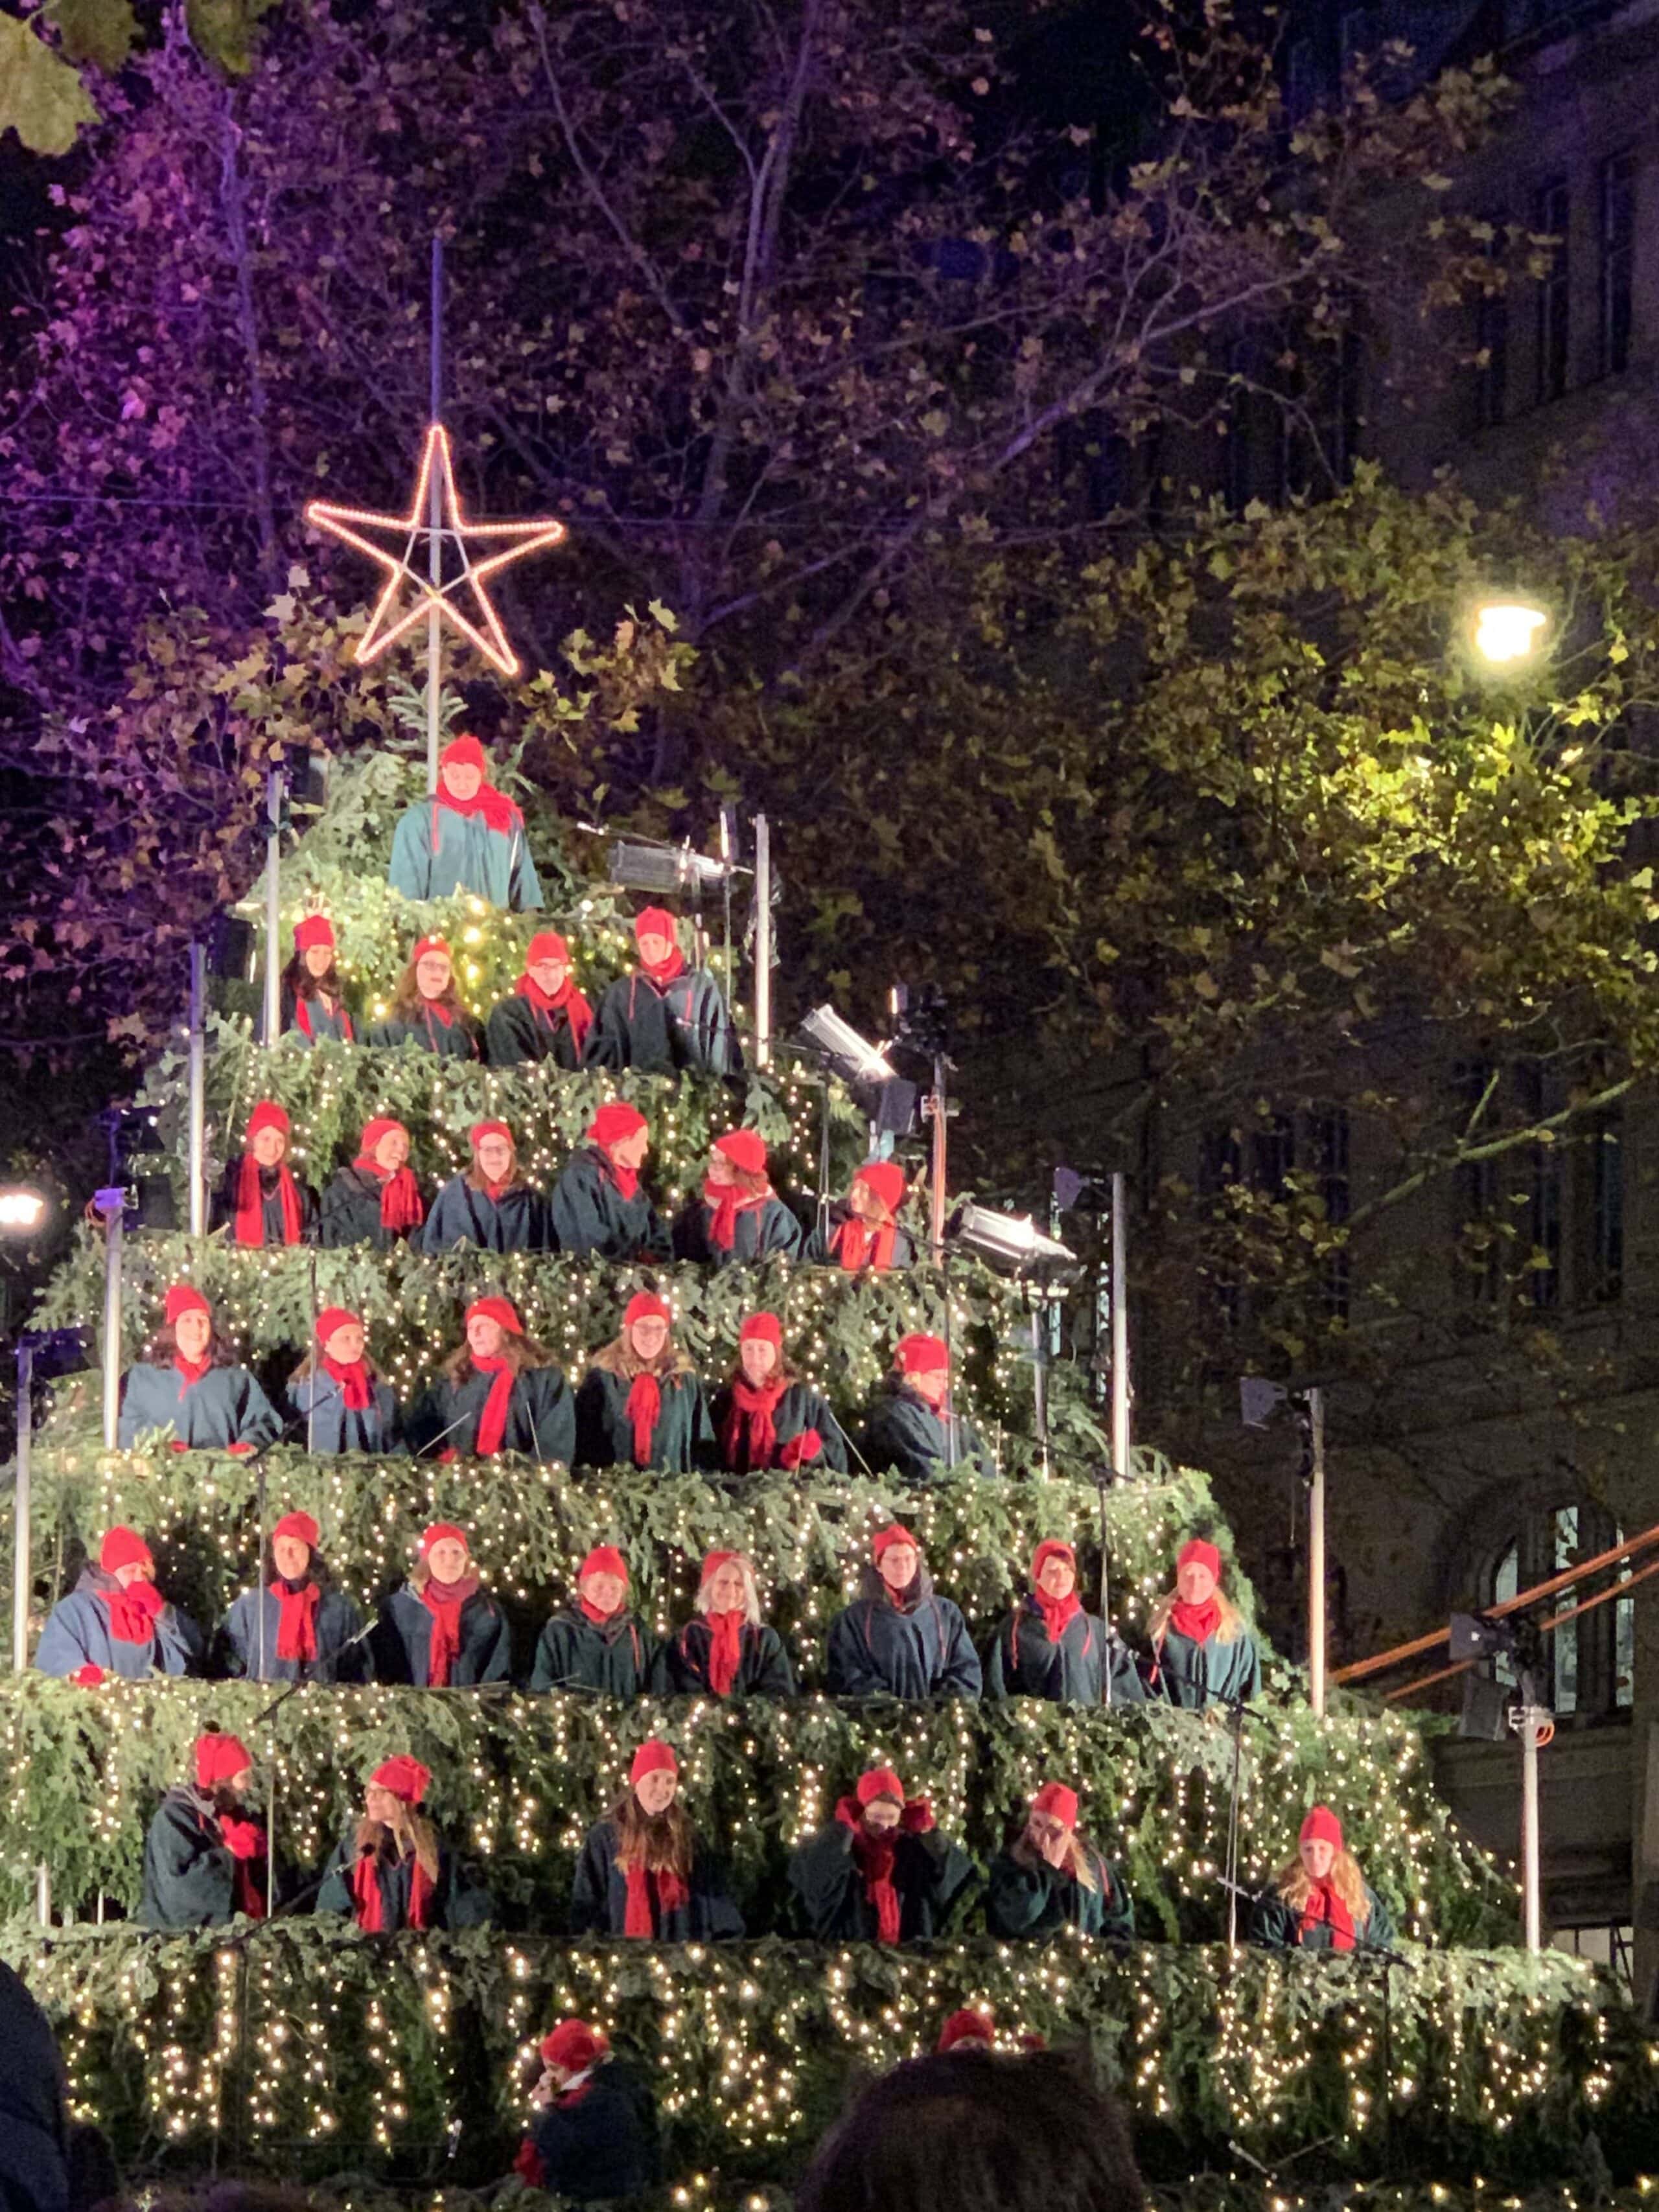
[
  {"x": 1551, "y": 213},
  {"x": 1618, "y": 244},
  {"x": 1590, "y": 1662}
]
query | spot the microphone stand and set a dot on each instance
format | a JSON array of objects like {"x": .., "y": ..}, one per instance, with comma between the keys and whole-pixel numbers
[{"x": 276, "y": 1705}]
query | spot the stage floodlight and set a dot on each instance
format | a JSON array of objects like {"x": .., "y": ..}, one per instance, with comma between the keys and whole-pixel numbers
[
  {"x": 1014, "y": 1241},
  {"x": 846, "y": 1051},
  {"x": 668, "y": 869}
]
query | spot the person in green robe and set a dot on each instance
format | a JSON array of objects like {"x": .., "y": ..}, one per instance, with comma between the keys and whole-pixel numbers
[
  {"x": 863, "y": 1235},
  {"x": 545, "y": 1017},
  {"x": 726, "y": 1649},
  {"x": 312, "y": 997},
  {"x": 879, "y": 1872},
  {"x": 499, "y": 1391},
  {"x": 593, "y": 2138},
  {"x": 666, "y": 1016},
  {"x": 640, "y": 1403},
  {"x": 899, "y": 1638},
  {"x": 394, "y": 1868},
  {"x": 598, "y": 1642},
  {"x": 375, "y": 1199},
  {"x": 1049, "y": 1647},
  {"x": 426, "y": 1009},
  {"x": 206, "y": 1853},
  {"x": 1202, "y": 1653},
  {"x": 1321, "y": 1901},
  {"x": 914, "y": 1428},
  {"x": 643, "y": 1872},
  {"x": 599, "y": 1204},
  {"x": 443, "y": 1630},
  {"x": 489, "y": 1204},
  {"x": 736, "y": 1217},
  {"x": 189, "y": 1381},
  {"x": 340, "y": 1400},
  {"x": 1049, "y": 1877},
  {"x": 766, "y": 1416},
  {"x": 466, "y": 836},
  {"x": 260, "y": 1199}
]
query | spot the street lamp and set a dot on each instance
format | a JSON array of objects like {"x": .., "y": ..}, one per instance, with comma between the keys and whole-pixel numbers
[
  {"x": 1506, "y": 631},
  {"x": 22, "y": 1209}
]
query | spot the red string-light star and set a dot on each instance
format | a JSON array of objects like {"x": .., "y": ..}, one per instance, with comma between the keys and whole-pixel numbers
[{"x": 457, "y": 593}]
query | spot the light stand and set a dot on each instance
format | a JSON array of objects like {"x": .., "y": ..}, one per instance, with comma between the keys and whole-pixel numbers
[
  {"x": 44, "y": 1352},
  {"x": 1259, "y": 1401},
  {"x": 197, "y": 1166},
  {"x": 110, "y": 1205},
  {"x": 1478, "y": 1636},
  {"x": 275, "y": 791},
  {"x": 763, "y": 942}
]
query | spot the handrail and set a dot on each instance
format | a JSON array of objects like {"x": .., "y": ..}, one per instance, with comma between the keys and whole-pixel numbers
[{"x": 1545, "y": 1628}]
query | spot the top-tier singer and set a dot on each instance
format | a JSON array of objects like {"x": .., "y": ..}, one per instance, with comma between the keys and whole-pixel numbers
[{"x": 466, "y": 837}]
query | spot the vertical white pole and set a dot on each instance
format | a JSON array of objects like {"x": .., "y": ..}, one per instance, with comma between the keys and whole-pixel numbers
[
  {"x": 763, "y": 942},
  {"x": 113, "y": 1233},
  {"x": 1316, "y": 1551},
  {"x": 22, "y": 1564},
  {"x": 275, "y": 785},
  {"x": 197, "y": 1091},
  {"x": 1120, "y": 1328},
  {"x": 43, "y": 1894},
  {"x": 434, "y": 517},
  {"x": 1531, "y": 1880}
]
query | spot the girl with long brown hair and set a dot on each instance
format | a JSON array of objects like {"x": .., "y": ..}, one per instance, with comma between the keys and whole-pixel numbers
[
  {"x": 314, "y": 998},
  {"x": 1202, "y": 1653},
  {"x": 640, "y": 1403},
  {"x": 426, "y": 1009},
  {"x": 189, "y": 1381},
  {"x": 498, "y": 1391},
  {"x": 642, "y": 1872},
  {"x": 393, "y": 1868},
  {"x": 766, "y": 1415}
]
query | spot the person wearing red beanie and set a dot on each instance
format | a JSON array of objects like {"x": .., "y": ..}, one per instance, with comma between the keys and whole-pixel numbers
[
  {"x": 314, "y": 1002},
  {"x": 116, "y": 1622},
  {"x": 466, "y": 836},
  {"x": 1202, "y": 1653},
  {"x": 1049, "y": 1647},
  {"x": 442, "y": 1630},
  {"x": 862, "y": 1235},
  {"x": 590, "y": 2139},
  {"x": 374, "y": 1199},
  {"x": 188, "y": 1382},
  {"x": 725, "y": 1649},
  {"x": 545, "y": 1017},
  {"x": 913, "y": 1428},
  {"x": 426, "y": 1008},
  {"x": 489, "y": 1206},
  {"x": 1320, "y": 1900},
  {"x": 205, "y": 1854},
  {"x": 600, "y": 1206},
  {"x": 337, "y": 1395},
  {"x": 880, "y": 1871},
  {"x": 967, "y": 2031},
  {"x": 736, "y": 1217},
  {"x": 640, "y": 1403},
  {"x": 597, "y": 1642},
  {"x": 1048, "y": 1877},
  {"x": 766, "y": 1415},
  {"x": 498, "y": 1391},
  {"x": 668, "y": 1015},
  {"x": 394, "y": 1867},
  {"x": 297, "y": 1626},
  {"x": 642, "y": 1871},
  {"x": 898, "y": 1638},
  {"x": 259, "y": 1199}
]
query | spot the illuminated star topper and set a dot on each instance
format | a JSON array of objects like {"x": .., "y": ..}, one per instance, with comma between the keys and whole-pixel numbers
[{"x": 456, "y": 594}]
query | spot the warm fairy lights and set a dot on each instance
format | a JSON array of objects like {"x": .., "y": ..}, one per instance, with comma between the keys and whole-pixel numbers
[{"x": 408, "y": 569}]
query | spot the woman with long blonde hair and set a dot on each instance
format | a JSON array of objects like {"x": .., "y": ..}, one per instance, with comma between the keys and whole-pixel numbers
[
  {"x": 1202, "y": 1653},
  {"x": 642, "y": 1872},
  {"x": 725, "y": 1649},
  {"x": 1320, "y": 1900},
  {"x": 393, "y": 1869},
  {"x": 1049, "y": 1877}
]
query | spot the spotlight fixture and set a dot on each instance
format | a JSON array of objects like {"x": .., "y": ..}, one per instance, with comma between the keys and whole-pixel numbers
[
  {"x": 668, "y": 869},
  {"x": 846, "y": 1052},
  {"x": 1012, "y": 1241}
]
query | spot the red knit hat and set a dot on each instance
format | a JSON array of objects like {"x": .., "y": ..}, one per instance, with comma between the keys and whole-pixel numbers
[
  {"x": 381, "y": 1126},
  {"x": 480, "y": 1130},
  {"x": 267, "y": 1114},
  {"x": 183, "y": 1298},
  {"x": 301, "y": 1526},
  {"x": 615, "y": 1123},
  {"x": 431, "y": 945},
  {"x": 124, "y": 1548},
  {"x": 315, "y": 929},
  {"x": 546, "y": 944},
  {"x": 333, "y": 1317},
  {"x": 762, "y": 1329},
  {"x": 654, "y": 921},
  {"x": 1196, "y": 1553},
  {"x": 603, "y": 1559},
  {"x": 894, "y": 1533},
  {"x": 712, "y": 1563},
  {"x": 403, "y": 1777},
  {"x": 646, "y": 1305},
  {"x": 1052, "y": 1548},
  {"x": 966, "y": 2027},
  {"x": 464, "y": 751},
  {"x": 920, "y": 1355},
  {"x": 1321, "y": 1826},
  {"x": 219, "y": 1757},
  {"x": 1058, "y": 1801},
  {"x": 501, "y": 1312},
  {"x": 574, "y": 2046},
  {"x": 745, "y": 1149},
  {"x": 438, "y": 1531},
  {"x": 884, "y": 1180},
  {"x": 878, "y": 1781},
  {"x": 654, "y": 1757}
]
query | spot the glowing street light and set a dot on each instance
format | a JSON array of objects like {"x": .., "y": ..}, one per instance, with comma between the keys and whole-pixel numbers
[
  {"x": 1506, "y": 631},
  {"x": 22, "y": 1209}
]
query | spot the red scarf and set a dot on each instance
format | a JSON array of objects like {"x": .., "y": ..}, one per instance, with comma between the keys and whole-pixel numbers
[
  {"x": 1198, "y": 1623},
  {"x": 662, "y": 972},
  {"x": 627, "y": 1180},
  {"x": 251, "y": 1205},
  {"x": 296, "y": 1628},
  {"x": 725, "y": 1201},
  {"x": 875, "y": 1856},
  {"x": 191, "y": 1369},
  {"x": 492, "y": 1422},
  {"x": 366, "y": 1893},
  {"x": 435, "y": 1010},
  {"x": 245, "y": 1842},
  {"x": 302, "y": 1018},
  {"x": 567, "y": 1000},
  {"x": 498, "y": 810},
  {"x": 1326, "y": 1906},
  {"x": 644, "y": 1411},
  {"x": 856, "y": 1245},
  {"x": 750, "y": 1427},
  {"x": 651, "y": 1897},
  {"x": 443, "y": 1602},
  {"x": 355, "y": 1388},
  {"x": 133, "y": 1611},
  {"x": 400, "y": 1195},
  {"x": 593, "y": 1614},
  {"x": 1057, "y": 1612},
  {"x": 725, "y": 1650}
]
